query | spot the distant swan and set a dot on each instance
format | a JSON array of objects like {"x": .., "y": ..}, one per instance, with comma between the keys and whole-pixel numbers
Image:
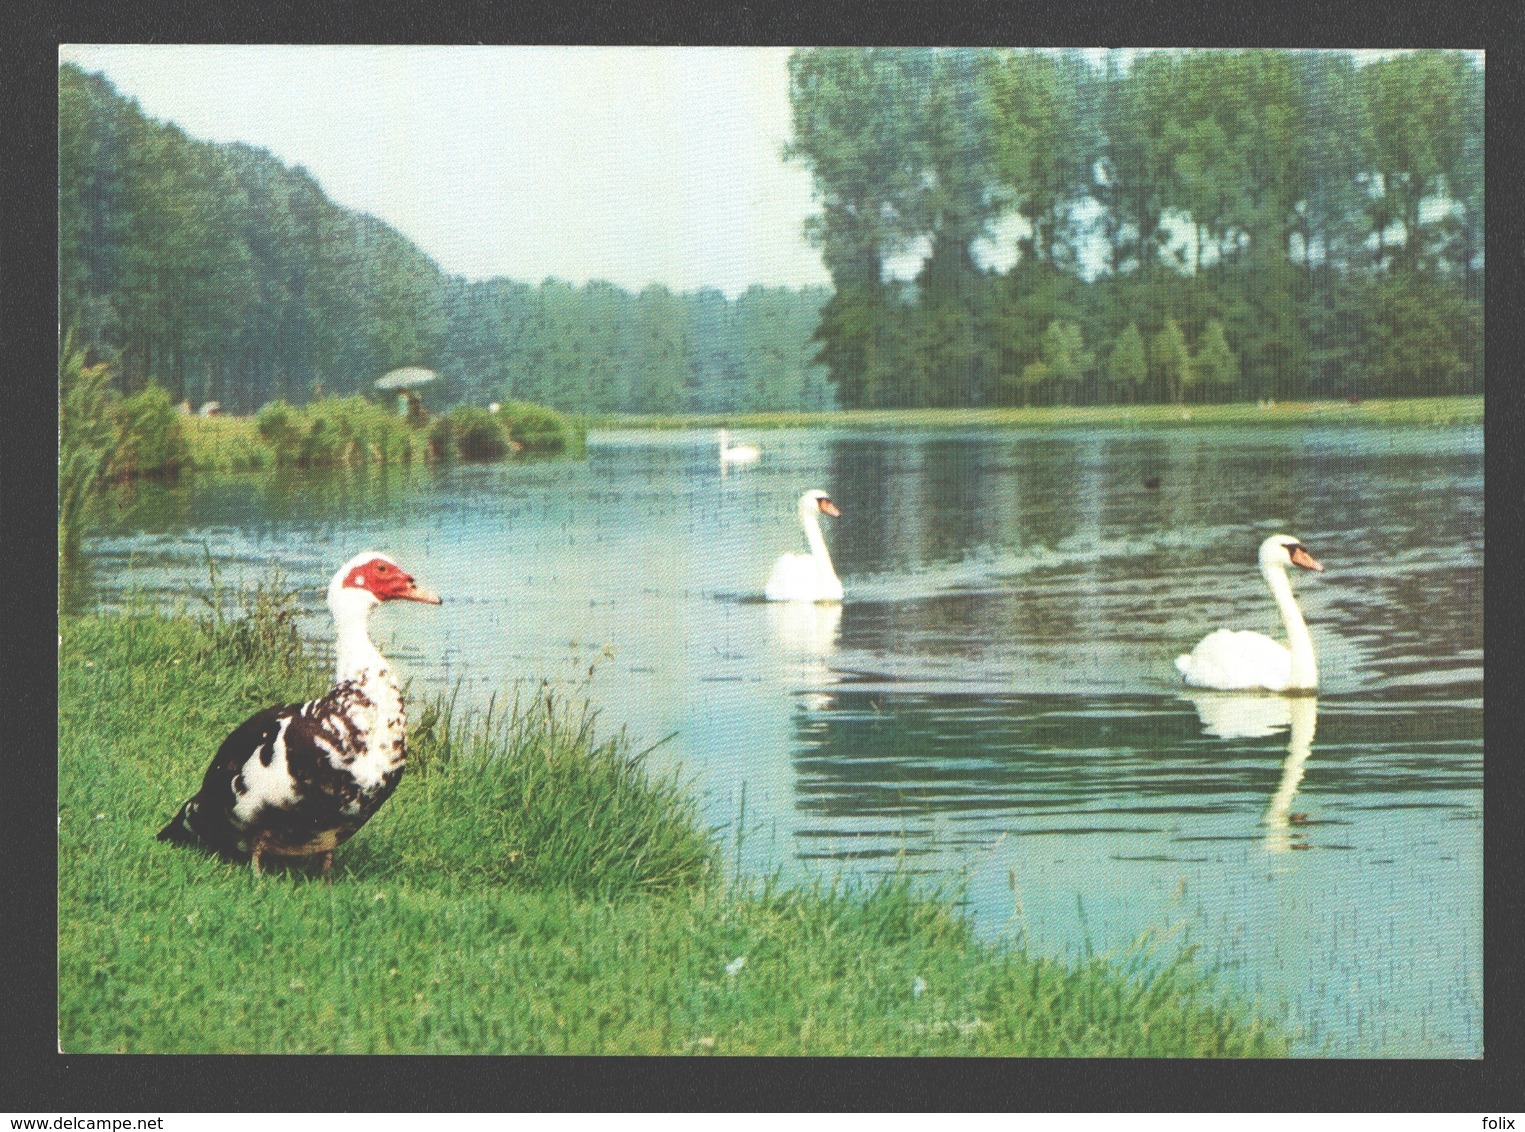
[
  {"x": 1230, "y": 660},
  {"x": 739, "y": 454},
  {"x": 807, "y": 577}
]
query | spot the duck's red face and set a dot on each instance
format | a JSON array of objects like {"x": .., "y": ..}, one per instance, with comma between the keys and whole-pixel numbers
[{"x": 387, "y": 581}]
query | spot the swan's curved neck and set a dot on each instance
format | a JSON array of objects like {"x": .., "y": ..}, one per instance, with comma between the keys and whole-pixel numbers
[
  {"x": 1299, "y": 640},
  {"x": 810, "y": 519}
]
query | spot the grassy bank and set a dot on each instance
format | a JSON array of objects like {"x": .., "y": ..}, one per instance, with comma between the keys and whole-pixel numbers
[
  {"x": 1396, "y": 411},
  {"x": 528, "y": 889}
]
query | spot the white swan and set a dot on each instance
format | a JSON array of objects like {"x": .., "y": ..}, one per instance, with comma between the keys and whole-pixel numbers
[
  {"x": 737, "y": 454},
  {"x": 1230, "y": 660},
  {"x": 807, "y": 577}
]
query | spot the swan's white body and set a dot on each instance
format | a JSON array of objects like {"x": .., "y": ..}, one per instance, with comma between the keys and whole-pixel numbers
[
  {"x": 807, "y": 577},
  {"x": 1234, "y": 660},
  {"x": 736, "y": 454}
]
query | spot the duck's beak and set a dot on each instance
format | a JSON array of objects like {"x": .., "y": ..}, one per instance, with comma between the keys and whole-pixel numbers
[
  {"x": 417, "y": 593},
  {"x": 829, "y": 507},
  {"x": 1301, "y": 557}
]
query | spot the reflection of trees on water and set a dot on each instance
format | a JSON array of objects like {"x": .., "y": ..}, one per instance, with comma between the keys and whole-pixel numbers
[
  {"x": 255, "y": 501},
  {"x": 907, "y": 504}
]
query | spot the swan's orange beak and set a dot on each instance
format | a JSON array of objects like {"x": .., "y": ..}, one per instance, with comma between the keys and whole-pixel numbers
[
  {"x": 1301, "y": 557},
  {"x": 829, "y": 507}
]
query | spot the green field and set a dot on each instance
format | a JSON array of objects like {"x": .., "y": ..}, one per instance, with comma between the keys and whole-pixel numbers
[
  {"x": 529, "y": 889},
  {"x": 1396, "y": 411}
]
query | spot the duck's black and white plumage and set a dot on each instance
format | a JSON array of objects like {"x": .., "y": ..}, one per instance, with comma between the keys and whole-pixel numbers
[{"x": 298, "y": 780}]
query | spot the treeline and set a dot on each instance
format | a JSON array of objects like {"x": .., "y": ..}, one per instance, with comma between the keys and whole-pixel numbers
[
  {"x": 1194, "y": 225},
  {"x": 222, "y": 275}
]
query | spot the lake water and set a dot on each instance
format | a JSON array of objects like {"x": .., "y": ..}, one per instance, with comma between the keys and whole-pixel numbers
[{"x": 994, "y": 705}]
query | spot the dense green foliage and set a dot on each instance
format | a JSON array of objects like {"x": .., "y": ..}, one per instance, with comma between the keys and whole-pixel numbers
[
  {"x": 224, "y": 275},
  {"x": 528, "y": 889},
  {"x": 102, "y": 437},
  {"x": 86, "y": 442},
  {"x": 467, "y": 434},
  {"x": 336, "y": 432},
  {"x": 539, "y": 429},
  {"x": 519, "y": 426},
  {"x": 1274, "y": 223}
]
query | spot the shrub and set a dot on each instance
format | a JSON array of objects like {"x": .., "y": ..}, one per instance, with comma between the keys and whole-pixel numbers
[
  {"x": 478, "y": 435},
  {"x": 266, "y": 637},
  {"x": 282, "y": 428},
  {"x": 226, "y": 444},
  {"x": 542, "y": 430},
  {"x": 335, "y": 431},
  {"x": 152, "y": 435}
]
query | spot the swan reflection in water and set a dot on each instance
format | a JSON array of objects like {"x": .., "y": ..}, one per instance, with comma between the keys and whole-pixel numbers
[
  {"x": 1253, "y": 717},
  {"x": 807, "y": 636}
]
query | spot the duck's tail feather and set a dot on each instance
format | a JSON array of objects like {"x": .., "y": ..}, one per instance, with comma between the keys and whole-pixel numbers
[{"x": 179, "y": 828}]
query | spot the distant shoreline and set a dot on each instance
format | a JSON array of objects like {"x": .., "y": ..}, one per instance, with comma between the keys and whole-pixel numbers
[{"x": 1389, "y": 411}]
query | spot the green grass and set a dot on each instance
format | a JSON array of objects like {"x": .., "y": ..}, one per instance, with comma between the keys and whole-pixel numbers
[
  {"x": 1395, "y": 411},
  {"x": 529, "y": 889}
]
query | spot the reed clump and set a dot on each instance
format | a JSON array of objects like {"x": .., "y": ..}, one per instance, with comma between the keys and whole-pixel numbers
[
  {"x": 468, "y": 434},
  {"x": 516, "y": 427},
  {"x": 104, "y": 437},
  {"x": 541, "y": 430},
  {"x": 338, "y": 432}
]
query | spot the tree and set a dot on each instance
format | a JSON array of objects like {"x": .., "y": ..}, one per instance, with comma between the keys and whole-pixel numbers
[
  {"x": 863, "y": 337},
  {"x": 1043, "y": 150},
  {"x": 1065, "y": 356},
  {"x": 1416, "y": 108},
  {"x": 959, "y": 194},
  {"x": 1136, "y": 165},
  {"x": 1169, "y": 359},
  {"x": 664, "y": 352},
  {"x": 1332, "y": 212},
  {"x": 857, "y": 115},
  {"x": 1127, "y": 368},
  {"x": 1032, "y": 379},
  {"x": 1421, "y": 337},
  {"x": 1214, "y": 368}
]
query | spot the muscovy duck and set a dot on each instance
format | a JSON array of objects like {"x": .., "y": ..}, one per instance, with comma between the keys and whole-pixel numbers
[{"x": 299, "y": 780}]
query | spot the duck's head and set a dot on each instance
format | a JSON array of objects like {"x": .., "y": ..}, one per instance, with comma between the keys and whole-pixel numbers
[{"x": 370, "y": 578}]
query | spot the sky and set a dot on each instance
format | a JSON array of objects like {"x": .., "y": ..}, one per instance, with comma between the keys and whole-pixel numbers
[{"x": 634, "y": 165}]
